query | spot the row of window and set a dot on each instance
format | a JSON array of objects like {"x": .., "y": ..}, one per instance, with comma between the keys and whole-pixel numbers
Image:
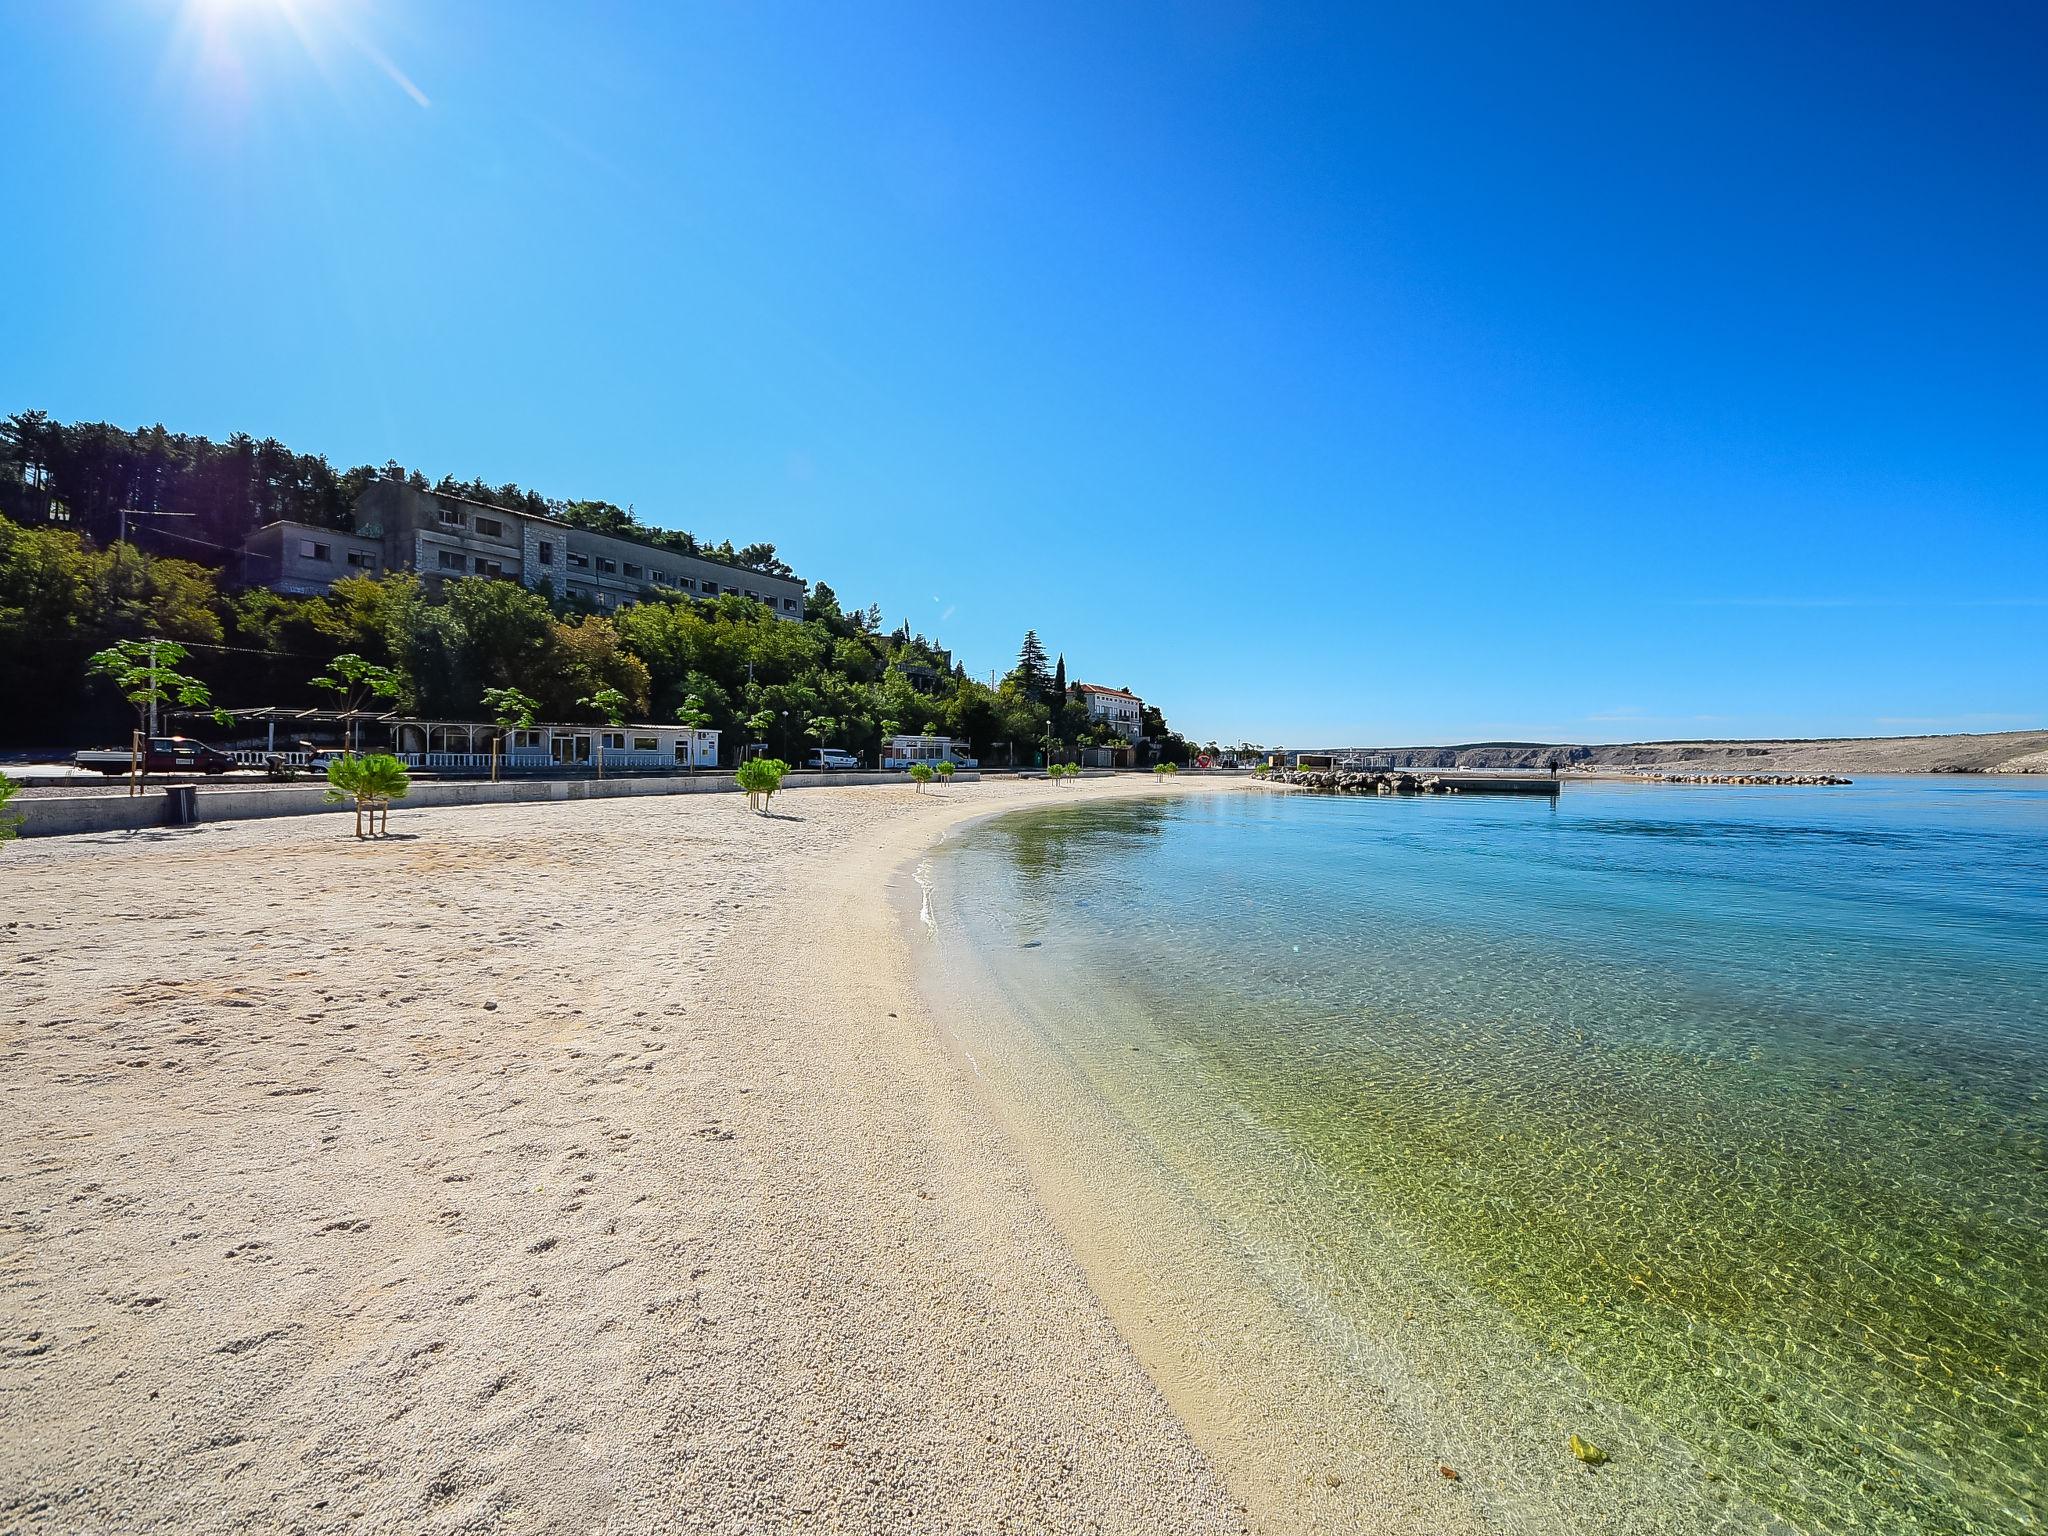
[
  {"x": 313, "y": 549},
  {"x": 544, "y": 554},
  {"x": 486, "y": 527},
  {"x": 455, "y": 560}
]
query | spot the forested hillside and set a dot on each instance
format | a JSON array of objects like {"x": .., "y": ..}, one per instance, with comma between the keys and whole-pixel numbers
[{"x": 67, "y": 589}]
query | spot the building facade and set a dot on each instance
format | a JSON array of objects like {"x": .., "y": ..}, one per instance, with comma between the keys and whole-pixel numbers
[
  {"x": 1119, "y": 708},
  {"x": 443, "y": 538},
  {"x": 902, "y": 751},
  {"x": 466, "y": 744},
  {"x": 303, "y": 560}
]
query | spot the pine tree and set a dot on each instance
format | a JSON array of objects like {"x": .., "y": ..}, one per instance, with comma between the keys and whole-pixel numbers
[
  {"x": 1059, "y": 681},
  {"x": 1032, "y": 671}
]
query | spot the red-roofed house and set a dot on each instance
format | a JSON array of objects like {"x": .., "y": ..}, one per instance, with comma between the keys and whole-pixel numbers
[{"x": 1119, "y": 707}]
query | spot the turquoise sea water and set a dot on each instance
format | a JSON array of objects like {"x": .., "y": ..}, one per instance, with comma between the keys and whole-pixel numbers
[{"x": 1724, "y": 1108}]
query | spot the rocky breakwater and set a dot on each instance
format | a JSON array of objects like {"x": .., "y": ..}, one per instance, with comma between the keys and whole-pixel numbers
[
  {"x": 1744, "y": 778},
  {"x": 1332, "y": 781}
]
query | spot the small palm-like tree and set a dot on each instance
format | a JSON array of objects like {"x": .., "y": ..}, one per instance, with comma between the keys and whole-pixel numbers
[
  {"x": 944, "y": 770},
  {"x": 10, "y": 823},
  {"x": 921, "y": 775},
  {"x": 693, "y": 717},
  {"x": 372, "y": 782},
  {"x": 760, "y": 777},
  {"x": 1165, "y": 771}
]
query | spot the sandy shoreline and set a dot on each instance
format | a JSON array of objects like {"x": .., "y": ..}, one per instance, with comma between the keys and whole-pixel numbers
[{"x": 583, "y": 1167}]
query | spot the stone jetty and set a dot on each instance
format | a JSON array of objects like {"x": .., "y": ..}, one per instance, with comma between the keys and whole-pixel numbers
[{"x": 1399, "y": 781}]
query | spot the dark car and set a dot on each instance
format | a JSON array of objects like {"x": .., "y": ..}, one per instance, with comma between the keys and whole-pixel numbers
[{"x": 163, "y": 754}]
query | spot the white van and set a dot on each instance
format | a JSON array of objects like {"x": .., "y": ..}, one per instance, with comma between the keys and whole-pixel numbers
[{"x": 831, "y": 760}]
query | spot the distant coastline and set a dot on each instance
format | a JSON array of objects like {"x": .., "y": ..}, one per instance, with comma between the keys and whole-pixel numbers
[{"x": 1995, "y": 752}]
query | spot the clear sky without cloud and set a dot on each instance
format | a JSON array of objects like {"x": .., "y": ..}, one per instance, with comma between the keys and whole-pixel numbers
[{"x": 1365, "y": 374}]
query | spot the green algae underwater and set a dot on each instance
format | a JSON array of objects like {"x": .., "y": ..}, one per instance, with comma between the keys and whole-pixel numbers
[{"x": 1722, "y": 1109}]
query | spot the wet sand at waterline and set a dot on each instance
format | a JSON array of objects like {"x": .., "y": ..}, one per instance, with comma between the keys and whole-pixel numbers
[{"x": 588, "y": 1167}]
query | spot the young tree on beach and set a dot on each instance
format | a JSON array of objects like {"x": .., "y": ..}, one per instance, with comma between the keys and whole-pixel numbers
[
  {"x": 760, "y": 777},
  {"x": 513, "y": 711},
  {"x": 372, "y": 782},
  {"x": 358, "y": 681},
  {"x": 146, "y": 672},
  {"x": 693, "y": 717},
  {"x": 920, "y": 775},
  {"x": 608, "y": 704},
  {"x": 944, "y": 769}
]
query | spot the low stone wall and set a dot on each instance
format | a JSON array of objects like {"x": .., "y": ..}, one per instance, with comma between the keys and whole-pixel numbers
[{"x": 62, "y": 815}]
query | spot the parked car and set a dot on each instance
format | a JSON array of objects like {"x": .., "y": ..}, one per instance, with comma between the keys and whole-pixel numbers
[
  {"x": 161, "y": 754},
  {"x": 831, "y": 760}
]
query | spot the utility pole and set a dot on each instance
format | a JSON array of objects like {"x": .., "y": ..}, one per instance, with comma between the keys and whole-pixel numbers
[{"x": 128, "y": 512}]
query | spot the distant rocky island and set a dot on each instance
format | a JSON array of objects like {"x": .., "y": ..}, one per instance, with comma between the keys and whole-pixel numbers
[{"x": 1997, "y": 752}]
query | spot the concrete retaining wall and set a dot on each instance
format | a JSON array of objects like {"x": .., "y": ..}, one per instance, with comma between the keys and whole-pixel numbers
[{"x": 60, "y": 815}]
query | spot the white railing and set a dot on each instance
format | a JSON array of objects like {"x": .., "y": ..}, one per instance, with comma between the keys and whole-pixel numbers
[{"x": 257, "y": 759}]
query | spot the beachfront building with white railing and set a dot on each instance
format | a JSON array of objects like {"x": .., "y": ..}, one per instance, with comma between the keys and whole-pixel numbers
[
  {"x": 902, "y": 751},
  {"x": 466, "y": 745}
]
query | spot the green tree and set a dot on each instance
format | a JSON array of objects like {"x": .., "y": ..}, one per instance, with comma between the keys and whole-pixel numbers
[
  {"x": 513, "y": 710},
  {"x": 608, "y": 704},
  {"x": 760, "y": 777},
  {"x": 1164, "y": 771},
  {"x": 1032, "y": 672},
  {"x": 921, "y": 775},
  {"x": 358, "y": 681},
  {"x": 944, "y": 769},
  {"x": 372, "y": 782},
  {"x": 10, "y": 823},
  {"x": 146, "y": 673}
]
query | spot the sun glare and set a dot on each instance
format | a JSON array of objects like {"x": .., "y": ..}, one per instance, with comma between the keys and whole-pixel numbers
[{"x": 236, "y": 45}]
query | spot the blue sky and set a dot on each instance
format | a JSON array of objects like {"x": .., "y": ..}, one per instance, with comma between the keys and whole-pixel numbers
[{"x": 1360, "y": 374}]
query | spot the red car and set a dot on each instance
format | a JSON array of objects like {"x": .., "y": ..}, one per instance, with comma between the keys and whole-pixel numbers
[{"x": 165, "y": 754}]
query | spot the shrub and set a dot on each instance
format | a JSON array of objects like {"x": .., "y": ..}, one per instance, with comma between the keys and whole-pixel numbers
[
  {"x": 10, "y": 824},
  {"x": 943, "y": 768},
  {"x": 372, "y": 782},
  {"x": 760, "y": 777},
  {"x": 1165, "y": 770},
  {"x": 921, "y": 775}
]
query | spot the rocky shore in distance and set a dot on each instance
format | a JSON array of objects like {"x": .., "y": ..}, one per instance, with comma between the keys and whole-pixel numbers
[
  {"x": 1742, "y": 778},
  {"x": 1992, "y": 752}
]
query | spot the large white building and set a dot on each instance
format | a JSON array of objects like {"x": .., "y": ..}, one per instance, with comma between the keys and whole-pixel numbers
[
  {"x": 1121, "y": 709},
  {"x": 442, "y": 538}
]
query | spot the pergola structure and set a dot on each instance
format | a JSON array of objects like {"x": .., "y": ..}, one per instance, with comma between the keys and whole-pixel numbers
[{"x": 270, "y": 714}]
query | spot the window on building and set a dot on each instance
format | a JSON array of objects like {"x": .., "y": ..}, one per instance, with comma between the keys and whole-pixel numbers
[
  {"x": 789, "y": 604},
  {"x": 646, "y": 743},
  {"x": 578, "y": 562},
  {"x": 488, "y": 567},
  {"x": 527, "y": 739},
  {"x": 661, "y": 578},
  {"x": 633, "y": 572},
  {"x": 711, "y": 589},
  {"x": 613, "y": 741},
  {"x": 312, "y": 551},
  {"x": 685, "y": 583},
  {"x": 451, "y": 559},
  {"x": 453, "y": 517},
  {"x": 490, "y": 528},
  {"x": 607, "y": 567},
  {"x": 545, "y": 553},
  {"x": 362, "y": 560}
]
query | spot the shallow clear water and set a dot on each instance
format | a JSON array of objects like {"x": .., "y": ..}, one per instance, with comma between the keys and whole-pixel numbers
[{"x": 1729, "y": 1104}]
